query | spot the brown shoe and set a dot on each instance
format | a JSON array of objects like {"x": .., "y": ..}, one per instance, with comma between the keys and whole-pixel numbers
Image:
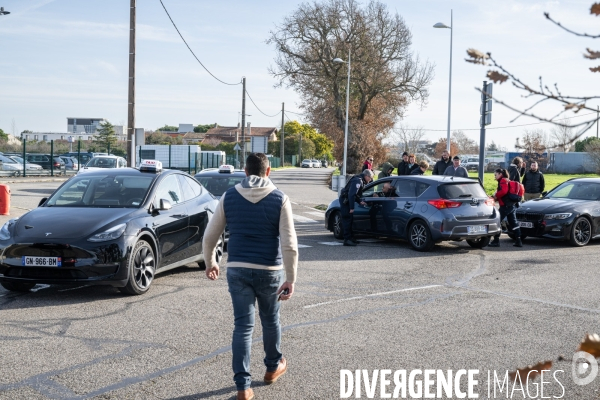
[
  {"x": 271, "y": 377},
  {"x": 247, "y": 394}
]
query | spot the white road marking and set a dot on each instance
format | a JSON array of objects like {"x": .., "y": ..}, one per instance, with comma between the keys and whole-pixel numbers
[
  {"x": 316, "y": 213},
  {"x": 303, "y": 246},
  {"x": 301, "y": 219},
  {"x": 372, "y": 295},
  {"x": 39, "y": 286},
  {"x": 332, "y": 243}
]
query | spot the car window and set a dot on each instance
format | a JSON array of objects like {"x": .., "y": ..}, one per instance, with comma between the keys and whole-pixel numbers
[
  {"x": 217, "y": 185},
  {"x": 461, "y": 190},
  {"x": 406, "y": 188},
  {"x": 169, "y": 190},
  {"x": 186, "y": 190},
  {"x": 378, "y": 188},
  {"x": 577, "y": 191},
  {"x": 421, "y": 187}
]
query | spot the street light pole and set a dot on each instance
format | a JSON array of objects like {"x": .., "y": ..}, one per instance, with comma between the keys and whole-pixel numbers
[
  {"x": 342, "y": 179},
  {"x": 131, "y": 88},
  {"x": 442, "y": 25}
]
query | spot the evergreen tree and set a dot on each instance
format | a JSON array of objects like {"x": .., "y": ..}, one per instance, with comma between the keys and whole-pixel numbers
[{"x": 106, "y": 136}]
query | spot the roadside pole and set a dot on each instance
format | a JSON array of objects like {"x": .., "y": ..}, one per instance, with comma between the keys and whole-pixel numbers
[
  {"x": 485, "y": 119},
  {"x": 243, "y": 161},
  {"x": 282, "y": 136},
  {"x": 24, "y": 157},
  {"x": 52, "y": 158}
]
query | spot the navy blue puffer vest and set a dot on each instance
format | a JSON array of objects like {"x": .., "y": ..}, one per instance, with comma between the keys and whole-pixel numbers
[{"x": 253, "y": 228}]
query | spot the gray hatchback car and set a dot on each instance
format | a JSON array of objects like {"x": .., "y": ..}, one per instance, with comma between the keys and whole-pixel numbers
[{"x": 424, "y": 210}]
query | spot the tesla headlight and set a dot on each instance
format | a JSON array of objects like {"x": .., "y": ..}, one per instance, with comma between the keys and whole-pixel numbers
[
  {"x": 4, "y": 231},
  {"x": 558, "y": 216},
  {"x": 111, "y": 234}
]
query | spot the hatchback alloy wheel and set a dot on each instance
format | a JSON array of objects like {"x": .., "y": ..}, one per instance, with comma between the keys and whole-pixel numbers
[
  {"x": 338, "y": 232},
  {"x": 581, "y": 232},
  {"x": 419, "y": 236}
]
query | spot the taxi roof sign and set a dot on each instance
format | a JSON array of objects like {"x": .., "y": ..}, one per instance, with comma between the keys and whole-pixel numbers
[
  {"x": 151, "y": 166},
  {"x": 226, "y": 169}
]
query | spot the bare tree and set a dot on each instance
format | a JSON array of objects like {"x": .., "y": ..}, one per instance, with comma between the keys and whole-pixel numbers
[
  {"x": 407, "y": 138},
  {"x": 465, "y": 144},
  {"x": 542, "y": 93},
  {"x": 562, "y": 136},
  {"x": 385, "y": 75},
  {"x": 593, "y": 150}
]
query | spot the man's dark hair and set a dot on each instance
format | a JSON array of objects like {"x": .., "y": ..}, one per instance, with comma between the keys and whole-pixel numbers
[
  {"x": 257, "y": 164},
  {"x": 456, "y": 158}
]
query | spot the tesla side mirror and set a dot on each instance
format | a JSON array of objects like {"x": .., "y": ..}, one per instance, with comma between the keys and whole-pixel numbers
[
  {"x": 42, "y": 201},
  {"x": 165, "y": 204}
]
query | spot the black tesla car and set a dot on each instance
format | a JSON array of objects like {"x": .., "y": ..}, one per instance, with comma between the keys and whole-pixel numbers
[
  {"x": 570, "y": 211},
  {"x": 114, "y": 227}
]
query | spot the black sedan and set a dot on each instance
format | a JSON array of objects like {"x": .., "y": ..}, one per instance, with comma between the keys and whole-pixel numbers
[
  {"x": 114, "y": 227},
  {"x": 570, "y": 211}
]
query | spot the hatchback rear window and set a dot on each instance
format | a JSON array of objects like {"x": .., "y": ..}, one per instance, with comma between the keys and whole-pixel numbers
[{"x": 461, "y": 190}]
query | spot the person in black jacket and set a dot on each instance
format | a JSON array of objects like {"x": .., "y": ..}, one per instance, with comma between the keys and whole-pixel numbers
[
  {"x": 423, "y": 165},
  {"x": 412, "y": 164},
  {"x": 352, "y": 194},
  {"x": 517, "y": 169},
  {"x": 403, "y": 165},
  {"x": 534, "y": 183},
  {"x": 440, "y": 167}
]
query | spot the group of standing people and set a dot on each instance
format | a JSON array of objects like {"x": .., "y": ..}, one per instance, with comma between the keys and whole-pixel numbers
[
  {"x": 450, "y": 167},
  {"x": 409, "y": 165}
]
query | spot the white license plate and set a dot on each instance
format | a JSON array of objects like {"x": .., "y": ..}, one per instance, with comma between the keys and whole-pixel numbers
[
  {"x": 477, "y": 229},
  {"x": 526, "y": 224},
  {"x": 29, "y": 261}
]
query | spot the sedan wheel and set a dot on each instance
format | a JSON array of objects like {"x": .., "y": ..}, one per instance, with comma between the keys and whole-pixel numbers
[
  {"x": 17, "y": 286},
  {"x": 218, "y": 254},
  {"x": 142, "y": 265},
  {"x": 338, "y": 230},
  {"x": 479, "y": 243},
  {"x": 581, "y": 233},
  {"x": 420, "y": 237}
]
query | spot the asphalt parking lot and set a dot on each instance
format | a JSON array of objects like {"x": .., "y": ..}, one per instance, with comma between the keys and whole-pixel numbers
[{"x": 376, "y": 306}]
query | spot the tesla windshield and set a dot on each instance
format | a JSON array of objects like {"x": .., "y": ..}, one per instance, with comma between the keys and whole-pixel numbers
[
  {"x": 576, "y": 191},
  {"x": 102, "y": 191},
  {"x": 219, "y": 185}
]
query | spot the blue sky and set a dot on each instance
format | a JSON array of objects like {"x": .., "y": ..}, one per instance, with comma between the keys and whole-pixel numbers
[{"x": 69, "y": 58}]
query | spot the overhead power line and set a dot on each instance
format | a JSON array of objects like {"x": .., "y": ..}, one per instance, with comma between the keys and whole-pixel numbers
[
  {"x": 191, "y": 51},
  {"x": 270, "y": 116}
]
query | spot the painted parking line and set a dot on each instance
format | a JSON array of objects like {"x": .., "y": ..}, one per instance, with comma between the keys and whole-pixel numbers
[
  {"x": 302, "y": 219},
  {"x": 372, "y": 295},
  {"x": 303, "y": 246},
  {"x": 331, "y": 243}
]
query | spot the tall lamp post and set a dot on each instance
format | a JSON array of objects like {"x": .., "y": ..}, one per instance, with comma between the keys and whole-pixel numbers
[
  {"x": 442, "y": 25},
  {"x": 342, "y": 178},
  {"x": 2, "y": 12}
]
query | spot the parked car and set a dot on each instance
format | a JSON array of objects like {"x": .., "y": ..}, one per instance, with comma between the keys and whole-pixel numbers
[
  {"x": 8, "y": 164},
  {"x": 104, "y": 162},
  {"x": 29, "y": 166},
  {"x": 570, "y": 211},
  {"x": 426, "y": 211},
  {"x": 47, "y": 162},
  {"x": 316, "y": 164},
  {"x": 70, "y": 163},
  {"x": 130, "y": 226},
  {"x": 307, "y": 163},
  {"x": 324, "y": 164},
  {"x": 84, "y": 157}
]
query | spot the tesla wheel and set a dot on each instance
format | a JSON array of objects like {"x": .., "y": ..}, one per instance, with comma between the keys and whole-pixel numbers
[
  {"x": 338, "y": 230},
  {"x": 581, "y": 232},
  {"x": 218, "y": 254},
  {"x": 17, "y": 286},
  {"x": 479, "y": 243},
  {"x": 420, "y": 237},
  {"x": 142, "y": 266}
]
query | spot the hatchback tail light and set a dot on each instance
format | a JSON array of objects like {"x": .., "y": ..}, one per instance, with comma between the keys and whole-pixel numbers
[
  {"x": 490, "y": 202},
  {"x": 443, "y": 203},
  {"x": 57, "y": 164}
]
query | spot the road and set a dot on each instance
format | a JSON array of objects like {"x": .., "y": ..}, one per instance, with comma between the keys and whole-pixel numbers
[{"x": 376, "y": 306}]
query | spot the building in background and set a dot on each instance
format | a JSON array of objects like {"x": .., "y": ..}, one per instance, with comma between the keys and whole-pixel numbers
[{"x": 88, "y": 126}]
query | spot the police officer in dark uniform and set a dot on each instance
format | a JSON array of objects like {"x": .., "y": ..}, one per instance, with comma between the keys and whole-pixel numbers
[{"x": 349, "y": 195}]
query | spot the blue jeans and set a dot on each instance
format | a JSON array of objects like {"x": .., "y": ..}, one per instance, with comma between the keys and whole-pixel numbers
[{"x": 246, "y": 286}]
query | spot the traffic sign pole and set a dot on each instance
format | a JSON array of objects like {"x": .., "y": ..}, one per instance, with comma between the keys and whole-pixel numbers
[{"x": 485, "y": 119}]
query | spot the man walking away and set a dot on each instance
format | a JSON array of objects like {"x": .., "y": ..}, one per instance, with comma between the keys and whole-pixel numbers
[
  {"x": 440, "y": 167},
  {"x": 403, "y": 165},
  {"x": 455, "y": 169},
  {"x": 349, "y": 195},
  {"x": 534, "y": 183},
  {"x": 262, "y": 241}
]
